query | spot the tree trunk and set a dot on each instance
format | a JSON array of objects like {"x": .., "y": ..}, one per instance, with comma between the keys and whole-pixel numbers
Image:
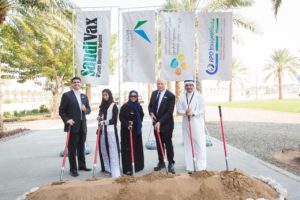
[
  {"x": 56, "y": 93},
  {"x": 169, "y": 85},
  {"x": 198, "y": 83},
  {"x": 230, "y": 91},
  {"x": 88, "y": 92},
  {"x": 280, "y": 84},
  {"x": 1, "y": 102},
  {"x": 178, "y": 89},
  {"x": 55, "y": 103},
  {"x": 149, "y": 92}
]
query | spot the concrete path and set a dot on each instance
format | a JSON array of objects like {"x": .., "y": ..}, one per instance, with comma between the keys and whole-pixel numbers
[{"x": 32, "y": 159}]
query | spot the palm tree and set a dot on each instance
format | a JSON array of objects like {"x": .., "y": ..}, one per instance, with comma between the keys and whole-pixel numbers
[
  {"x": 239, "y": 76},
  {"x": 209, "y": 6},
  {"x": 281, "y": 63},
  {"x": 23, "y": 6},
  {"x": 46, "y": 53},
  {"x": 4, "y": 7},
  {"x": 276, "y": 6}
]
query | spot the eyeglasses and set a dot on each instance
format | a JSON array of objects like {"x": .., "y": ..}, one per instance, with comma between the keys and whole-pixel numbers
[{"x": 135, "y": 96}]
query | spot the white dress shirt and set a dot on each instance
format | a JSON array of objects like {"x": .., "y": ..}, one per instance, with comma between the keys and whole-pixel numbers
[{"x": 77, "y": 94}]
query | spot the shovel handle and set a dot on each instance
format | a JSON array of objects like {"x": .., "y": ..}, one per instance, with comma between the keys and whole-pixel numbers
[{"x": 65, "y": 154}]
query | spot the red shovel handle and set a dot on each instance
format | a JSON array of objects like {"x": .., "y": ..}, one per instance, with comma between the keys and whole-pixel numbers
[
  {"x": 131, "y": 146},
  {"x": 223, "y": 134},
  {"x": 191, "y": 138},
  {"x": 160, "y": 144},
  {"x": 97, "y": 144},
  {"x": 66, "y": 147}
]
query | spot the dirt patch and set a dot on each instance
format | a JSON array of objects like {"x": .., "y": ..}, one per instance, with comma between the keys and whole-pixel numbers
[
  {"x": 288, "y": 157},
  {"x": 153, "y": 176},
  {"x": 4, "y": 135},
  {"x": 200, "y": 185}
]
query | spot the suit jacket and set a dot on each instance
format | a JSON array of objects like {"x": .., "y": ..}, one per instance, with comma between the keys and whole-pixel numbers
[
  {"x": 69, "y": 109},
  {"x": 165, "y": 110}
]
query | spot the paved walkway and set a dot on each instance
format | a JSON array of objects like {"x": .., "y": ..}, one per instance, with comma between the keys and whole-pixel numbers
[
  {"x": 251, "y": 115},
  {"x": 33, "y": 159}
]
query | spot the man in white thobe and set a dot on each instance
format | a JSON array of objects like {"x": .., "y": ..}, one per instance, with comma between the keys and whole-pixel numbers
[{"x": 191, "y": 106}]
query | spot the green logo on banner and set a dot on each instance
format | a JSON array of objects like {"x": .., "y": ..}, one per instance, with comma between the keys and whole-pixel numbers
[{"x": 90, "y": 44}]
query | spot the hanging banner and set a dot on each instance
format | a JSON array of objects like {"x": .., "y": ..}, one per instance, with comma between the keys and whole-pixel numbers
[
  {"x": 215, "y": 46},
  {"x": 92, "y": 46},
  {"x": 139, "y": 46},
  {"x": 178, "y": 46}
]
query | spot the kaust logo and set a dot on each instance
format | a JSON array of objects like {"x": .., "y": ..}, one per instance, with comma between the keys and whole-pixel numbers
[{"x": 141, "y": 32}]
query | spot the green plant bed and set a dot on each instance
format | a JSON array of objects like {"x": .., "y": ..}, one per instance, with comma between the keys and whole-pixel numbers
[
  {"x": 27, "y": 118},
  {"x": 286, "y": 105}
]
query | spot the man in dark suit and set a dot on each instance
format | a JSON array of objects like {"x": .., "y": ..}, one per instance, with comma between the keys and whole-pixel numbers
[
  {"x": 72, "y": 110},
  {"x": 161, "y": 107}
]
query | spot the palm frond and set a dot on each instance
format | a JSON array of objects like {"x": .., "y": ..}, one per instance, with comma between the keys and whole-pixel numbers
[
  {"x": 276, "y": 6},
  {"x": 245, "y": 23},
  {"x": 226, "y": 4}
]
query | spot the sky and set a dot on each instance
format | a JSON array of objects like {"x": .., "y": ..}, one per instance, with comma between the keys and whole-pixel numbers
[{"x": 253, "y": 50}]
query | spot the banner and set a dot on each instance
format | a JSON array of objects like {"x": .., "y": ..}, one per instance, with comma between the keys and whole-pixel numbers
[
  {"x": 215, "y": 46},
  {"x": 139, "y": 46},
  {"x": 92, "y": 46},
  {"x": 178, "y": 46}
]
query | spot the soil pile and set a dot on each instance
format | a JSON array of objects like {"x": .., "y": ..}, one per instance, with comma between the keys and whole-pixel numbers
[
  {"x": 204, "y": 185},
  {"x": 288, "y": 157}
]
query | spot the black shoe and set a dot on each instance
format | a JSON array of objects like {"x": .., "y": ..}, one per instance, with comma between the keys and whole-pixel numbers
[
  {"x": 190, "y": 172},
  {"x": 74, "y": 173},
  {"x": 171, "y": 168},
  {"x": 85, "y": 169},
  {"x": 129, "y": 173},
  {"x": 159, "y": 166},
  {"x": 106, "y": 173}
]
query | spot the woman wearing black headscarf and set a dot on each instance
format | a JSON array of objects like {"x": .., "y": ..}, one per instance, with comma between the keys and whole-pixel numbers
[
  {"x": 131, "y": 116},
  {"x": 109, "y": 142}
]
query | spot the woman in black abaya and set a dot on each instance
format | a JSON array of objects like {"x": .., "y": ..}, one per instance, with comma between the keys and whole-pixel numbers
[{"x": 131, "y": 116}]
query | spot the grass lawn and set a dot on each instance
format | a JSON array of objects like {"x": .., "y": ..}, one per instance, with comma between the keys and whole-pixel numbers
[{"x": 286, "y": 105}]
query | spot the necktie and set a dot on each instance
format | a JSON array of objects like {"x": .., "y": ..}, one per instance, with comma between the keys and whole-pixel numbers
[{"x": 156, "y": 103}]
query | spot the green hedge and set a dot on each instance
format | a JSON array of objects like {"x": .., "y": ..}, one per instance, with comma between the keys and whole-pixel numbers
[{"x": 42, "y": 110}]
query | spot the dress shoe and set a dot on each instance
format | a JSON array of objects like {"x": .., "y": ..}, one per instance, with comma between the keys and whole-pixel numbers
[
  {"x": 74, "y": 173},
  {"x": 129, "y": 173},
  {"x": 85, "y": 169},
  {"x": 171, "y": 168},
  {"x": 106, "y": 173},
  {"x": 159, "y": 166}
]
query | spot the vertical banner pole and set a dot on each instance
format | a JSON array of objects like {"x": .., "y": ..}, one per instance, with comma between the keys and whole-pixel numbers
[
  {"x": 119, "y": 55},
  {"x": 73, "y": 45}
]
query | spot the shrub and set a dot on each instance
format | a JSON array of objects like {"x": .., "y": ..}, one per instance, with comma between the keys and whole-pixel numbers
[
  {"x": 44, "y": 109},
  {"x": 7, "y": 101},
  {"x": 6, "y": 114},
  {"x": 16, "y": 113},
  {"x": 34, "y": 111}
]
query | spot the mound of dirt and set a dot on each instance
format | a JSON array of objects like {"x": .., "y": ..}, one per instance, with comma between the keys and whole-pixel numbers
[
  {"x": 288, "y": 157},
  {"x": 200, "y": 185}
]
